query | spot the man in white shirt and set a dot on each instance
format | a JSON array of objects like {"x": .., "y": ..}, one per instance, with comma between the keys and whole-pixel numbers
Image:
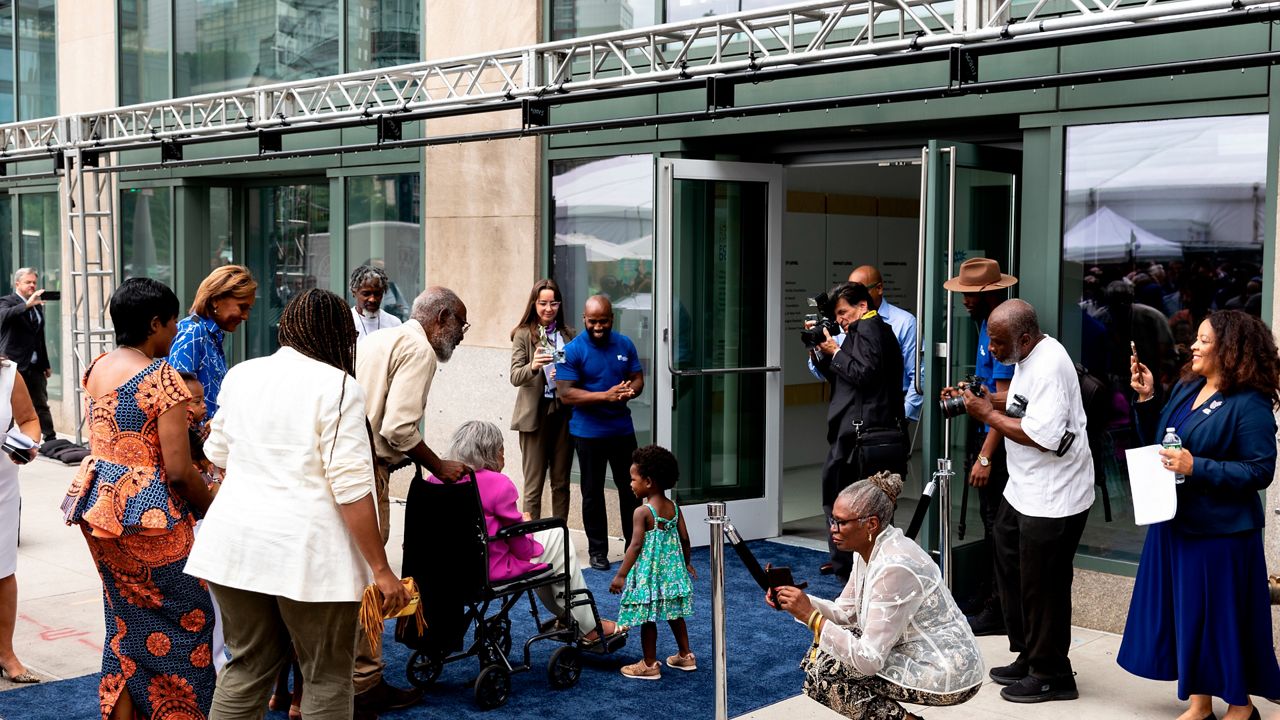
[
  {"x": 368, "y": 284},
  {"x": 395, "y": 368},
  {"x": 1045, "y": 505}
]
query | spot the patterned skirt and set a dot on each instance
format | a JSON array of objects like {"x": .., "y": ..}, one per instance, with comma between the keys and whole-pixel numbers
[{"x": 159, "y": 626}]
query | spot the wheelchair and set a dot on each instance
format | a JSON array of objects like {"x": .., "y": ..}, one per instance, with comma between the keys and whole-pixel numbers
[{"x": 446, "y": 550}]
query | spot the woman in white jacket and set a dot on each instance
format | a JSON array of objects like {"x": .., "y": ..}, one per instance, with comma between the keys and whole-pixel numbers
[
  {"x": 293, "y": 538},
  {"x": 895, "y": 634}
]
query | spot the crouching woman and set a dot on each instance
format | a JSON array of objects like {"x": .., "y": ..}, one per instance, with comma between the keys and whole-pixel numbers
[{"x": 895, "y": 634}]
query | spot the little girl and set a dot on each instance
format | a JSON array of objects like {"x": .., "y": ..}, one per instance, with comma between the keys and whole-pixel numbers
[{"x": 654, "y": 577}]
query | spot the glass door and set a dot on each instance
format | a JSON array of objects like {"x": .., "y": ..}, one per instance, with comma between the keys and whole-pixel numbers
[
  {"x": 968, "y": 209},
  {"x": 718, "y": 380}
]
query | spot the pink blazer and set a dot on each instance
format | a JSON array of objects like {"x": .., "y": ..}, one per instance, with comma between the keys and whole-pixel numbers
[{"x": 507, "y": 558}]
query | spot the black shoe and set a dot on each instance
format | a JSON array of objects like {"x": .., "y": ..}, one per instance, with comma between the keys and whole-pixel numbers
[
  {"x": 1011, "y": 673},
  {"x": 1032, "y": 689},
  {"x": 599, "y": 562},
  {"x": 988, "y": 622},
  {"x": 384, "y": 697}
]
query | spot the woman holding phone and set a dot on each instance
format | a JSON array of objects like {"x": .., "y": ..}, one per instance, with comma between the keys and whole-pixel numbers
[
  {"x": 539, "y": 416},
  {"x": 1200, "y": 612}
]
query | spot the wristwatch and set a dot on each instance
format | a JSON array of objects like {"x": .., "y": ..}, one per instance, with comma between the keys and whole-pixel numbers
[{"x": 984, "y": 461}]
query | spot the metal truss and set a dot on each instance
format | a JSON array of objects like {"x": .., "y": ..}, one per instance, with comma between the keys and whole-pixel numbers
[{"x": 792, "y": 35}]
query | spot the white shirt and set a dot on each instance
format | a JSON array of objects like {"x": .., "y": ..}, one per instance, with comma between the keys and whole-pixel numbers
[
  {"x": 913, "y": 634},
  {"x": 292, "y": 457},
  {"x": 366, "y": 325},
  {"x": 1041, "y": 484}
]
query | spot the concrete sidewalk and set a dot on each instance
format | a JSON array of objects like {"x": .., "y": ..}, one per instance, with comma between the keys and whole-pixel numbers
[{"x": 60, "y": 628}]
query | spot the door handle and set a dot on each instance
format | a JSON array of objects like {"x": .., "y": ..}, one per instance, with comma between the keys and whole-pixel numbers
[
  {"x": 724, "y": 371},
  {"x": 924, "y": 181}
]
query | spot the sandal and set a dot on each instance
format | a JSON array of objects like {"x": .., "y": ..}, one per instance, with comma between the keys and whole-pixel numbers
[{"x": 1273, "y": 585}]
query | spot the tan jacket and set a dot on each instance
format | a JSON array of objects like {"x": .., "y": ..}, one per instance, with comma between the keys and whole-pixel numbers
[
  {"x": 395, "y": 366},
  {"x": 530, "y": 384}
]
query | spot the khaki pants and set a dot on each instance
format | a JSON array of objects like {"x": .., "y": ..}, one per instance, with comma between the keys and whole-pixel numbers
[
  {"x": 258, "y": 630},
  {"x": 368, "y": 664},
  {"x": 547, "y": 448},
  {"x": 552, "y": 596}
]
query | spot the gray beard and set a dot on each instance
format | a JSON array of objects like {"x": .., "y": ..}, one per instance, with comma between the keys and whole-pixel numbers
[{"x": 367, "y": 314}]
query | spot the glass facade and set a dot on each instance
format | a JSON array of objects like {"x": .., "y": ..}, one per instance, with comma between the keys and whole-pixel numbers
[
  {"x": 604, "y": 246},
  {"x": 1163, "y": 222},
  {"x": 28, "y": 60},
  {"x": 174, "y": 48},
  {"x": 579, "y": 18},
  {"x": 384, "y": 228},
  {"x": 40, "y": 247},
  {"x": 290, "y": 252},
  {"x": 146, "y": 234}
]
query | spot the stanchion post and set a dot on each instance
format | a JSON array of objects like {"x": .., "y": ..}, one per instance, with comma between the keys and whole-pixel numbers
[
  {"x": 717, "y": 518},
  {"x": 943, "y": 495}
]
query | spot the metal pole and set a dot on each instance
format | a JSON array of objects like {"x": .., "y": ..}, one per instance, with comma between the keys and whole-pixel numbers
[
  {"x": 717, "y": 518},
  {"x": 943, "y": 479}
]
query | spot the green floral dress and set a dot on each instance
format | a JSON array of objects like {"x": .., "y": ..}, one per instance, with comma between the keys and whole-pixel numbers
[{"x": 658, "y": 586}]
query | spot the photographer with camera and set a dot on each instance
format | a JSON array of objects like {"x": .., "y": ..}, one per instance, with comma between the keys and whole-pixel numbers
[
  {"x": 983, "y": 287},
  {"x": 1045, "y": 505},
  {"x": 865, "y": 418}
]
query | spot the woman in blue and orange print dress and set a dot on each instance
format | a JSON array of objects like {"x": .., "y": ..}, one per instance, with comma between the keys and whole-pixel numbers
[{"x": 135, "y": 499}]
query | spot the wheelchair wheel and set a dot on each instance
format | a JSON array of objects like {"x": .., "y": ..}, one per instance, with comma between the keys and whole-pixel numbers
[
  {"x": 564, "y": 668},
  {"x": 499, "y": 631},
  {"x": 422, "y": 670},
  {"x": 493, "y": 687}
]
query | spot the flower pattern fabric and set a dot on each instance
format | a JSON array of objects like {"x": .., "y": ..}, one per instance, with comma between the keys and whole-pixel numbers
[
  {"x": 197, "y": 348},
  {"x": 139, "y": 532},
  {"x": 658, "y": 586},
  {"x": 896, "y": 620}
]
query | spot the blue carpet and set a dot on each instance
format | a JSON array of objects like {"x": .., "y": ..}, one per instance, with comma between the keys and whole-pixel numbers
[{"x": 764, "y": 645}]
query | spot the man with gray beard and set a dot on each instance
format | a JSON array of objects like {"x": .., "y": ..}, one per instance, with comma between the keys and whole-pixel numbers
[{"x": 395, "y": 367}]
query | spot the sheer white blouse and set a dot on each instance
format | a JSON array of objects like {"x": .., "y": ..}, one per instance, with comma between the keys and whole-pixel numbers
[{"x": 896, "y": 620}]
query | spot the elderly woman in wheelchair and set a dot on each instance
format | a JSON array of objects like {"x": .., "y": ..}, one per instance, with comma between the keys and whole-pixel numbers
[{"x": 494, "y": 558}]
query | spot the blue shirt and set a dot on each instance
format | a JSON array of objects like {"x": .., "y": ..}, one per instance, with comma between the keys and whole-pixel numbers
[
  {"x": 197, "y": 348},
  {"x": 903, "y": 325},
  {"x": 596, "y": 368},
  {"x": 986, "y": 366}
]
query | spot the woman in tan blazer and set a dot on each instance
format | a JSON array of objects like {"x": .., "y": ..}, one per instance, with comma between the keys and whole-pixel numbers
[{"x": 540, "y": 418}]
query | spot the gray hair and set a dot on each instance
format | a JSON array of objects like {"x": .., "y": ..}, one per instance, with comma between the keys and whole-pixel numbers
[
  {"x": 477, "y": 443},
  {"x": 433, "y": 301},
  {"x": 1018, "y": 316},
  {"x": 23, "y": 272},
  {"x": 365, "y": 275},
  {"x": 877, "y": 496}
]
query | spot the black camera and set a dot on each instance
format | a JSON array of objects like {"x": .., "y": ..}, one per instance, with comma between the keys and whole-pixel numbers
[
  {"x": 1016, "y": 406},
  {"x": 822, "y": 320},
  {"x": 953, "y": 406}
]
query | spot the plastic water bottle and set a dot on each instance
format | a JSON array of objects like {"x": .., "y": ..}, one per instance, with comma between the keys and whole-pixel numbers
[{"x": 1172, "y": 441}]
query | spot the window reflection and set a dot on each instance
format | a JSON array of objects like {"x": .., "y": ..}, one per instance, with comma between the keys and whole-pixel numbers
[
  {"x": 383, "y": 33},
  {"x": 1163, "y": 223},
  {"x": 144, "y": 50},
  {"x": 604, "y": 245},
  {"x": 40, "y": 247},
  {"x": 146, "y": 248},
  {"x": 384, "y": 229}
]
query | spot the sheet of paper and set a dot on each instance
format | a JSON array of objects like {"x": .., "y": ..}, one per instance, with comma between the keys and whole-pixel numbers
[
  {"x": 19, "y": 439},
  {"x": 1155, "y": 498}
]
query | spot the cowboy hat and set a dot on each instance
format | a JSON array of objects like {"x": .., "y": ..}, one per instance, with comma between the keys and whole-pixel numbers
[{"x": 979, "y": 275}]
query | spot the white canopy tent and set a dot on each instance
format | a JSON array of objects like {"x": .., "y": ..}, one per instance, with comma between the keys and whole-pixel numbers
[{"x": 1106, "y": 236}]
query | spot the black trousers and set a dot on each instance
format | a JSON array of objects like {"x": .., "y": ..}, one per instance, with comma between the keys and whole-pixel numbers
[
  {"x": 595, "y": 455},
  {"x": 989, "y": 498},
  {"x": 837, "y": 474},
  {"x": 38, "y": 387},
  {"x": 1034, "y": 572}
]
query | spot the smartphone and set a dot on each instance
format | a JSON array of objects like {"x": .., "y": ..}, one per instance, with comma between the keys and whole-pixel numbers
[
  {"x": 49, "y": 295},
  {"x": 1133, "y": 348}
]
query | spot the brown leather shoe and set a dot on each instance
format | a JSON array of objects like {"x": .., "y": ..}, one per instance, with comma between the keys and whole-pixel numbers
[{"x": 384, "y": 697}]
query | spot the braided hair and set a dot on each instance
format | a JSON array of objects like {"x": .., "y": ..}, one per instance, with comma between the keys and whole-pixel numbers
[
  {"x": 318, "y": 324},
  {"x": 366, "y": 274}
]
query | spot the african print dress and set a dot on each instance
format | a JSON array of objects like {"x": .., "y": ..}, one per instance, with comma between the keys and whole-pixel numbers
[
  {"x": 159, "y": 619},
  {"x": 658, "y": 586}
]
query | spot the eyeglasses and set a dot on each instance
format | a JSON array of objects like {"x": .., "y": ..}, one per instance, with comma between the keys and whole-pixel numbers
[
  {"x": 553, "y": 304},
  {"x": 839, "y": 524}
]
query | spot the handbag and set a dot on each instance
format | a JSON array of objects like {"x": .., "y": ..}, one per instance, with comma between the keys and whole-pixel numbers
[
  {"x": 371, "y": 617},
  {"x": 833, "y": 683},
  {"x": 877, "y": 449}
]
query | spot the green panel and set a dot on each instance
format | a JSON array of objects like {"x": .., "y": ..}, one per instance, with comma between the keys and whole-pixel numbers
[
  {"x": 1039, "y": 248},
  {"x": 1178, "y": 46},
  {"x": 1230, "y": 106},
  {"x": 605, "y": 109}
]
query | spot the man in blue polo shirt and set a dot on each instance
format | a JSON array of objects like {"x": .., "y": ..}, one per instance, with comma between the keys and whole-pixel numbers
[{"x": 601, "y": 372}]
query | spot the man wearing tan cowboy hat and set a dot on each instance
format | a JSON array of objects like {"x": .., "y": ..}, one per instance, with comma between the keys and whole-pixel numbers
[{"x": 984, "y": 287}]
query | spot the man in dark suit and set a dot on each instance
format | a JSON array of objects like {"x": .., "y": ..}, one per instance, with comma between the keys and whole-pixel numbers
[
  {"x": 22, "y": 341},
  {"x": 865, "y": 372}
]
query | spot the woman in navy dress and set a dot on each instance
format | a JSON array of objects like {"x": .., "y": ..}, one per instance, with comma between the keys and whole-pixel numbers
[{"x": 1200, "y": 612}]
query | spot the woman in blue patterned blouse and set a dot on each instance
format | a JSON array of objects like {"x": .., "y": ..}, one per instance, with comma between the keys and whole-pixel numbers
[{"x": 223, "y": 301}]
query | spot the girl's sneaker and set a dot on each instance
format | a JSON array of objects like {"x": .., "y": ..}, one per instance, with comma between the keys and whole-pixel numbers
[
  {"x": 639, "y": 671},
  {"x": 688, "y": 663}
]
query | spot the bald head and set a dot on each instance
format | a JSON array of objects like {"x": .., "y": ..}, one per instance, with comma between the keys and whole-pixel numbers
[
  {"x": 869, "y": 277},
  {"x": 1014, "y": 330},
  {"x": 597, "y": 318}
]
